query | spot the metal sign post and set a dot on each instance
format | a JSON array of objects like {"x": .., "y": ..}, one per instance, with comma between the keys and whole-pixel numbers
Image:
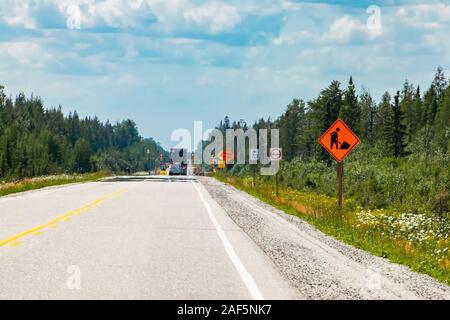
[
  {"x": 276, "y": 154},
  {"x": 254, "y": 156},
  {"x": 276, "y": 185},
  {"x": 340, "y": 185}
]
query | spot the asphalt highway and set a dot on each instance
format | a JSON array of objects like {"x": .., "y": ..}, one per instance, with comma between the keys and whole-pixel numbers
[{"x": 129, "y": 239}]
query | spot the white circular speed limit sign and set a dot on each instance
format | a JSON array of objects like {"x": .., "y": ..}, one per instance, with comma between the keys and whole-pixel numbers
[{"x": 275, "y": 154}]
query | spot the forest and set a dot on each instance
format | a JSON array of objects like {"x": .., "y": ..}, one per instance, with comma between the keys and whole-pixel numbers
[
  {"x": 396, "y": 181},
  {"x": 36, "y": 141},
  {"x": 403, "y": 155}
]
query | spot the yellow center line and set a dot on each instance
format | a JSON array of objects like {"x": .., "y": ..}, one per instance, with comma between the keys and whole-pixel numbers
[{"x": 61, "y": 218}]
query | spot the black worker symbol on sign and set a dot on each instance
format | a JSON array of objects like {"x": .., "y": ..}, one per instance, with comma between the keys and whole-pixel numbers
[{"x": 335, "y": 141}]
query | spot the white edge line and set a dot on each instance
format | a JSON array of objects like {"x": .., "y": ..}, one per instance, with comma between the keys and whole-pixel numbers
[{"x": 243, "y": 273}]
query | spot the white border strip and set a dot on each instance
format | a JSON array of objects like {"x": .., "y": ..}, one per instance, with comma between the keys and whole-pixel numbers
[{"x": 243, "y": 273}]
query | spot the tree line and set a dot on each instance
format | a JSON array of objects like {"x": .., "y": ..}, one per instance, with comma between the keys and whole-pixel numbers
[
  {"x": 38, "y": 141},
  {"x": 402, "y": 161},
  {"x": 407, "y": 121}
]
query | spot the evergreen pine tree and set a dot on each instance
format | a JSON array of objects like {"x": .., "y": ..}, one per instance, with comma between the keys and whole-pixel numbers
[
  {"x": 442, "y": 123},
  {"x": 430, "y": 106},
  {"x": 369, "y": 111},
  {"x": 292, "y": 126},
  {"x": 439, "y": 83},
  {"x": 407, "y": 108},
  {"x": 82, "y": 154},
  {"x": 399, "y": 133},
  {"x": 350, "y": 111},
  {"x": 385, "y": 125}
]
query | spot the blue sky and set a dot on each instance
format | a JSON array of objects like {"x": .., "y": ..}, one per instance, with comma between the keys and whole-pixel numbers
[{"x": 166, "y": 63}]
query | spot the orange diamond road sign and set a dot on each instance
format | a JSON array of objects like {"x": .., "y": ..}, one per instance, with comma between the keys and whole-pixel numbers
[
  {"x": 339, "y": 140},
  {"x": 226, "y": 155}
]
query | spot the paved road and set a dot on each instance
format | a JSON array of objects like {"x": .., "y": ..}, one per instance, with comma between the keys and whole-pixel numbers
[{"x": 129, "y": 240}]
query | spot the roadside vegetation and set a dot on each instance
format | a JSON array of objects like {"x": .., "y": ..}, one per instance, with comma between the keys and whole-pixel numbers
[
  {"x": 418, "y": 240},
  {"x": 396, "y": 182},
  {"x": 38, "y": 141},
  {"x": 47, "y": 181}
]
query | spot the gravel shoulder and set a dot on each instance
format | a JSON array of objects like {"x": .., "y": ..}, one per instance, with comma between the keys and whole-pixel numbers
[{"x": 316, "y": 265}]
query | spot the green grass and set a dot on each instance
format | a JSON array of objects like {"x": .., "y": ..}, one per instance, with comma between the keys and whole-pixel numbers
[
  {"x": 322, "y": 212},
  {"x": 47, "y": 181}
]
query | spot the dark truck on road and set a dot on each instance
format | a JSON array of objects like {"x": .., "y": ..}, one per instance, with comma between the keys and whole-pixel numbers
[{"x": 179, "y": 162}]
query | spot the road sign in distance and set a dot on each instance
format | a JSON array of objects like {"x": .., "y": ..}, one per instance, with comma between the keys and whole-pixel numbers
[
  {"x": 226, "y": 155},
  {"x": 276, "y": 154},
  {"x": 254, "y": 154}
]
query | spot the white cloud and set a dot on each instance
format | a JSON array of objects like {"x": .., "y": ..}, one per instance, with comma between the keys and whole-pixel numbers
[
  {"x": 312, "y": 45},
  {"x": 17, "y": 13},
  {"x": 425, "y": 16},
  {"x": 112, "y": 13},
  {"x": 291, "y": 38},
  {"x": 164, "y": 15},
  {"x": 25, "y": 54},
  {"x": 215, "y": 16},
  {"x": 347, "y": 28}
]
